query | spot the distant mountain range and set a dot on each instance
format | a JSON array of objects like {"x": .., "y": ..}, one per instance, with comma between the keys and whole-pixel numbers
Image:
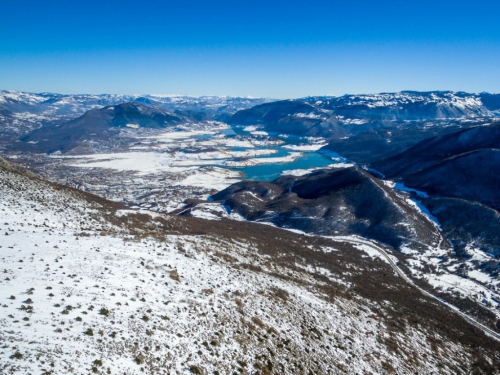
[
  {"x": 334, "y": 116},
  {"x": 365, "y": 128},
  {"x": 22, "y": 112},
  {"x": 323, "y": 115},
  {"x": 58, "y": 105}
]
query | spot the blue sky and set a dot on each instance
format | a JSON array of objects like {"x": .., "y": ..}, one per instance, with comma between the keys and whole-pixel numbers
[{"x": 280, "y": 49}]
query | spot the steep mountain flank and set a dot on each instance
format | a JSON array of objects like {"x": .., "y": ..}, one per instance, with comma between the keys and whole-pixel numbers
[
  {"x": 469, "y": 225},
  {"x": 434, "y": 150},
  {"x": 473, "y": 176},
  {"x": 460, "y": 172}
]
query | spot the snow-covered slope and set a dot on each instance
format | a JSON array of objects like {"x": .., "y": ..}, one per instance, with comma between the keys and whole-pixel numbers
[{"x": 89, "y": 286}]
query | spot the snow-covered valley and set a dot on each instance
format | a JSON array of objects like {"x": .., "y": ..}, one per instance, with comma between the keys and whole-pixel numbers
[{"x": 163, "y": 271}]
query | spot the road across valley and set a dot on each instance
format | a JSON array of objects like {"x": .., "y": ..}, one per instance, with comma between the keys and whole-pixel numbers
[{"x": 396, "y": 269}]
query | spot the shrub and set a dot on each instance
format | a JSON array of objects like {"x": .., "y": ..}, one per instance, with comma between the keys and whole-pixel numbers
[
  {"x": 195, "y": 370},
  {"x": 16, "y": 355},
  {"x": 104, "y": 311}
]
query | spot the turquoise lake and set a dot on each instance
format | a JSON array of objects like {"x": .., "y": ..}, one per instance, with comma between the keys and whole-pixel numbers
[{"x": 269, "y": 172}]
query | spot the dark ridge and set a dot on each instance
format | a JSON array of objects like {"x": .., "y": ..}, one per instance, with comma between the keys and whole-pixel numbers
[
  {"x": 472, "y": 176},
  {"x": 330, "y": 202},
  {"x": 434, "y": 150}
]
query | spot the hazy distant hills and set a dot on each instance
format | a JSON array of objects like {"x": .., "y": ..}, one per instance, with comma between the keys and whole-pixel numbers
[
  {"x": 326, "y": 115},
  {"x": 100, "y": 125},
  {"x": 22, "y": 112},
  {"x": 363, "y": 128},
  {"x": 57, "y": 105}
]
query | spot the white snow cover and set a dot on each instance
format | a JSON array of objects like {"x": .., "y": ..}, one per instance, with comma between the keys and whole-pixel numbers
[
  {"x": 150, "y": 162},
  {"x": 308, "y": 147},
  {"x": 81, "y": 295}
]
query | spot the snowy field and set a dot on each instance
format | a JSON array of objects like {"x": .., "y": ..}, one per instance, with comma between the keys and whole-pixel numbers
[{"x": 159, "y": 170}]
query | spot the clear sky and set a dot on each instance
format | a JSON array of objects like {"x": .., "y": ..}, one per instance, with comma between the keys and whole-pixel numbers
[{"x": 272, "y": 48}]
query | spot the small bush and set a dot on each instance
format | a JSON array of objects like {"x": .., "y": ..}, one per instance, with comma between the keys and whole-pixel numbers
[
  {"x": 195, "y": 370},
  {"x": 104, "y": 311},
  {"x": 16, "y": 355},
  {"x": 89, "y": 332}
]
